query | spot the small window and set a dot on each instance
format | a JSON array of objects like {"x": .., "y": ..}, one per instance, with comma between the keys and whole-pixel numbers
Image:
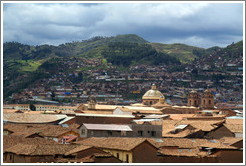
[
  {"x": 10, "y": 156},
  {"x": 209, "y": 101},
  {"x": 82, "y": 131},
  {"x": 140, "y": 133},
  {"x": 118, "y": 155},
  {"x": 110, "y": 133},
  {"x": 123, "y": 133},
  {"x": 153, "y": 133}
]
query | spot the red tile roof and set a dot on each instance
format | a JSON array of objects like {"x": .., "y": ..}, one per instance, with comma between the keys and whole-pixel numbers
[
  {"x": 9, "y": 141},
  {"x": 126, "y": 144},
  {"x": 40, "y": 149}
]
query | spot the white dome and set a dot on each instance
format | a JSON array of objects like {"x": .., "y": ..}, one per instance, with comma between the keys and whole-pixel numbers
[{"x": 153, "y": 94}]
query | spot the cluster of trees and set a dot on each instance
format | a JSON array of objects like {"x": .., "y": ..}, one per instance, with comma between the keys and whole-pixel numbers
[
  {"x": 125, "y": 53},
  {"x": 18, "y": 51}
]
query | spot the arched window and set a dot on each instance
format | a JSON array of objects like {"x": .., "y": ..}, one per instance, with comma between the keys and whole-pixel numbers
[
  {"x": 195, "y": 102},
  {"x": 203, "y": 101},
  {"x": 209, "y": 101}
]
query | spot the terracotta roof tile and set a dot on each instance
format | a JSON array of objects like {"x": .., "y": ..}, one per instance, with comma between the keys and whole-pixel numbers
[
  {"x": 31, "y": 118},
  {"x": 234, "y": 121},
  {"x": 180, "y": 116},
  {"x": 40, "y": 149},
  {"x": 235, "y": 128},
  {"x": 41, "y": 129},
  {"x": 202, "y": 125},
  {"x": 217, "y": 145},
  {"x": 5, "y": 110},
  {"x": 23, "y": 133},
  {"x": 195, "y": 126},
  {"x": 179, "y": 152},
  {"x": 178, "y": 142},
  {"x": 78, "y": 149},
  {"x": 9, "y": 141},
  {"x": 230, "y": 140},
  {"x": 87, "y": 159},
  {"x": 126, "y": 144}
]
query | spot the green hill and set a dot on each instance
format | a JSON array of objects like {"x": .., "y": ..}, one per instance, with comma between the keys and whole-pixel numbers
[
  {"x": 25, "y": 61},
  {"x": 181, "y": 51}
]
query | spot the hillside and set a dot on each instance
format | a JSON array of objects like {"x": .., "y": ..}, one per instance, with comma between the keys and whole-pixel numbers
[
  {"x": 24, "y": 64},
  {"x": 183, "y": 52},
  {"x": 221, "y": 59}
]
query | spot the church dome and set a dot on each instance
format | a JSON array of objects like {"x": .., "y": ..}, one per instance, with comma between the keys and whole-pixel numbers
[{"x": 153, "y": 93}]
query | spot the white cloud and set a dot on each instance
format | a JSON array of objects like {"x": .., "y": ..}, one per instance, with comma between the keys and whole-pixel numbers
[{"x": 55, "y": 23}]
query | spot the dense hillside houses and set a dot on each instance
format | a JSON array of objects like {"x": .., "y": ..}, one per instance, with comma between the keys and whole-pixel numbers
[
  {"x": 72, "y": 79},
  {"x": 111, "y": 87},
  {"x": 148, "y": 132}
]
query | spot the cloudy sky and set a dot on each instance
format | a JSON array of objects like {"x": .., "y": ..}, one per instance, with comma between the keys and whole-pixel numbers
[{"x": 197, "y": 24}]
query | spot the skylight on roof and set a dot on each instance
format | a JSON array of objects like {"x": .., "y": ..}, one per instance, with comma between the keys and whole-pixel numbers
[
  {"x": 181, "y": 126},
  {"x": 158, "y": 140},
  {"x": 213, "y": 141}
]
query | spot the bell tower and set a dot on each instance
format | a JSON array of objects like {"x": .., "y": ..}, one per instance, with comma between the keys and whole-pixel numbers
[
  {"x": 92, "y": 103},
  {"x": 207, "y": 101},
  {"x": 193, "y": 99}
]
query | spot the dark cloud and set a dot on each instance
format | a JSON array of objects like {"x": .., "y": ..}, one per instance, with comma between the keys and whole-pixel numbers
[{"x": 199, "y": 24}]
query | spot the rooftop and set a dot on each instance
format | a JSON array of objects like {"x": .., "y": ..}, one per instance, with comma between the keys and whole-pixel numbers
[
  {"x": 31, "y": 118},
  {"x": 40, "y": 149},
  {"x": 119, "y": 143},
  {"x": 41, "y": 129},
  {"x": 106, "y": 115},
  {"x": 11, "y": 140},
  {"x": 112, "y": 127}
]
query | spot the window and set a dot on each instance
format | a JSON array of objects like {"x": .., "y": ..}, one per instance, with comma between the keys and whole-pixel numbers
[
  {"x": 92, "y": 133},
  {"x": 10, "y": 156},
  {"x": 153, "y": 133},
  {"x": 140, "y": 133},
  {"x": 110, "y": 132},
  {"x": 209, "y": 101},
  {"x": 123, "y": 133},
  {"x": 203, "y": 101},
  {"x": 127, "y": 158},
  {"x": 150, "y": 102},
  {"x": 82, "y": 131},
  {"x": 118, "y": 155},
  {"x": 190, "y": 102},
  {"x": 195, "y": 102}
]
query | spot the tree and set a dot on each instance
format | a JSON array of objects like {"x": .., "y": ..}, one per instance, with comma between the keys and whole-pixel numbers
[
  {"x": 80, "y": 77},
  {"x": 32, "y": 107},
  {"x": 53, "y": 95}
]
